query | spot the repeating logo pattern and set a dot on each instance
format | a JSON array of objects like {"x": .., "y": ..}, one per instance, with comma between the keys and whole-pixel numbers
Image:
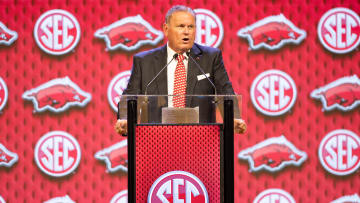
[
  {"x": 273, "y": 155},
  {"x": 64, "y": 199},
  {"x": 3, "y": 94},
  {"x": 274, "y": 195},
  {"x": 57, "y": 154},
  {"x": 7, "y": 36},
  {"x": 347, "y": 198},
  {"x": 57, "y": 96},
  {"x": 342, "y": 94},
  {"x": 273, "y": 92},
  {"x": 272, "y": 33},
  {"x": 116, "y": 87},
  {"x": 339, "y": 152},
  {"x": 129, "y": 34},
  {"x": 339, "y": 30},
  {"x": 176, "y": 186},
  {"x": 209, "y": 28},
  {"x": 57, "y": 32},
  {"x": 115, "y": 157},
  {"x": 121, "y": 197},
  {"x": 7, "y": 158}
]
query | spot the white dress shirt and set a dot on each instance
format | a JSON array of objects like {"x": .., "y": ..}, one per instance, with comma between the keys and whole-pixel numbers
[{"x": 171, "y": 72}]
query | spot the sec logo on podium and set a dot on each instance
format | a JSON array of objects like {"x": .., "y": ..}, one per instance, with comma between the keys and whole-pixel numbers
[{"x": 178, "y": 186}]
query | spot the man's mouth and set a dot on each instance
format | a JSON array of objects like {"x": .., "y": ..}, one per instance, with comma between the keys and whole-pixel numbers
[{"x": 186, "y": 39}]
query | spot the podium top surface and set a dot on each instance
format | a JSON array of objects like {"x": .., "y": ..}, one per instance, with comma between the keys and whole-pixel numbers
[{"x": 197, "y": 109}]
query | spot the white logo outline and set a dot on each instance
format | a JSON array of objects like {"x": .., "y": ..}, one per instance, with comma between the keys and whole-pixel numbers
[
  {"x": 6, "y": 95},
  {"x": 14, "y": 33},
  {"x": 218, "y": 22},
  {"x": 130, "y": 19},
  {"x": 243, "y": 155},
  {"x": 274, "y": 190},
  {"x": 68, "y": 136},
  {"x": 112, "y": 84},
  {"x": 275, "y": 18},
  {"x": 291, "y": 83},
  {"x": 322, "y": 145},
  {"x": 100, "y": 156},
  {"x": 68, "y": 15},
  {"x": 165, "y": 175},
  {"x": 27, "y": 95},
  {"x": 347, "y": 79},
  {"x": 322, "y": 20},
  {"x": 121, "y": 195},
  {"x": 12, "y": 154}
]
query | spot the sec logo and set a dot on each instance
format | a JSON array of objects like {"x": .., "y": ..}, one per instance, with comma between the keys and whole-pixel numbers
[
  {"x": 121, "y": 197},
  {"x": 178, "y": 186},
  {"x": 273, "y": 92},
  {"x": 116, "y": 87},
  {"x": 57, "y": 154},
  {"x": 209, "y": 29},
  {"x": 3, "y": 94},
  {"x": 339, "y": 30},
  {"x": 339, "y": 152},
  {"x": 274, "y": 195},
  {"x": 57, "y": 32}
]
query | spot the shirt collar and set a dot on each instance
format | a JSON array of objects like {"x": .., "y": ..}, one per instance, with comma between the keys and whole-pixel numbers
[{"x": 171, "y": 52}]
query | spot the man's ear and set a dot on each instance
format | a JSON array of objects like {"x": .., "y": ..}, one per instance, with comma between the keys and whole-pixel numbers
[{"x": 165, "y": 29}]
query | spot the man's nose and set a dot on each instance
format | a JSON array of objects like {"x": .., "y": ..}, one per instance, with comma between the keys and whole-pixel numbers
[{"x": 186, "y": 30}]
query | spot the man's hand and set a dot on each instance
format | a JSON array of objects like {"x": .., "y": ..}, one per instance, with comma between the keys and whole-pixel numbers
[
  {"x": 239, "y": 126},
  {"x": 121, "y": 127}
]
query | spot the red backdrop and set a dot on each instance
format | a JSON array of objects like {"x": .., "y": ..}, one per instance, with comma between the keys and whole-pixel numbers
[{"x": 25, "y": 66}]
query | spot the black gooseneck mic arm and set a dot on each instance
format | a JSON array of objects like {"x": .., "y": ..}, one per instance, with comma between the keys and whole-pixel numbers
[
  {"x": 157, "y": 75},
  {"x": 202, "y": 71}
]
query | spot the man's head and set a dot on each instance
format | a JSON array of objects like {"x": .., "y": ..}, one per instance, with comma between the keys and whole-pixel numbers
[{"x": 179, "y": 28}]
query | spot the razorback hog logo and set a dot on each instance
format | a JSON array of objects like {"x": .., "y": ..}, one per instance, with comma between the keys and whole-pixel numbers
[
  {"x": 7, "y": 158},
  {"x": 339, "y": 30},
  {"x": 116, "y": 87},
  {"x": 64, "y": 199},
  {"x": 273, "y": 92},
  {"x": 129, "y": 34},
  {"x": 57, "y": 96},
  {"x": 114, "y": 156},
  {"x": 348, "y": 199},
  {"x": 7, "y": 36},
  {"x": 178, "y": 186},
  {"x": 121, "y": 197},
  {"x": 57, "y": 32},
  {"x": 272, "y": 155},
  {"x": 339, "y": 152},
  {"x": 3, "y": 94},
  {"x": 342, "y": 94},
  {"x": 272, "y": 33},
  {"x": 274, "y": 195},
  {"x": 57, "y": 153},
  {"x": 209, "y": 28}
]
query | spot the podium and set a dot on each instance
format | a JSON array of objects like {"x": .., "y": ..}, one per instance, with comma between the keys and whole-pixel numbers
[{"x": 180, "y": 154}]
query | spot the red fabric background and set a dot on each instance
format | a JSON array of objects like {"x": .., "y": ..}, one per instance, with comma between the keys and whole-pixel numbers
[{"x": 25, "y": 66}]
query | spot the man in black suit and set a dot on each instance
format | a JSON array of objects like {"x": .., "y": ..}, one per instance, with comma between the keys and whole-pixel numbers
[{"x": 179, "y": 28}]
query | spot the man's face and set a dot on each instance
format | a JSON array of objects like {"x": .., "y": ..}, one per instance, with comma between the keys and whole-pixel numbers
[{"x": 180, "y": 31}]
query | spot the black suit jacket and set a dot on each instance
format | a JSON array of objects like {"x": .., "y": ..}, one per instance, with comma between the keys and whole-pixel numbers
[{"x": 149, "y": 63}]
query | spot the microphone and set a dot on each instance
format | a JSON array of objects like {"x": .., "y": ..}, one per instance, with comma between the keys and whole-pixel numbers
[
  {"x": 157, "y": 75},
  {"x": 202, "y": 71}
]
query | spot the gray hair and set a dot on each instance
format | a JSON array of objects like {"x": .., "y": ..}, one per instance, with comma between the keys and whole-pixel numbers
[{"x": 176, "y": 9}]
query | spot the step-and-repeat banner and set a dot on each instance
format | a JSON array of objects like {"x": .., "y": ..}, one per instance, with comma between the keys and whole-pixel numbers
[{"x": 63, "y": 65}]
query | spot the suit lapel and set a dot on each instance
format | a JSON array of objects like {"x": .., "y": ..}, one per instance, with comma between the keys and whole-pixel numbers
[
  {"x": 160, "y": 62},
  {"x": 192, "y": 71}
]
